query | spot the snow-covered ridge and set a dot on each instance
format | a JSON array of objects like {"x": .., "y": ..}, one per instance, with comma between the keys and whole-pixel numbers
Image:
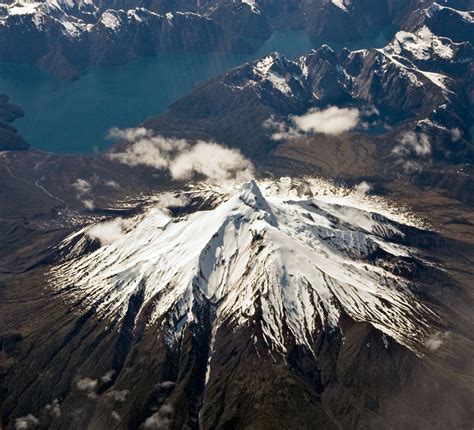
[
  {"x": 23, "y": 12},
  {"x": 424, "y": 64},
  {"x": 273, "y": 72},
  {"x": 414, "y": 74},
  {"x": 422, "y": 44},
  {"x": 296, "y": 253},
  {"x": 413, "y": 56},
  {"x": 263, "y": 71},
  {"x": 78, "y": 18},
  {"x": 436, "y": 7}
]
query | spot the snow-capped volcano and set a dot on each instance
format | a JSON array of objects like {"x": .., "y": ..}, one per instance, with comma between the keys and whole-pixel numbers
[{"x": 290, "y": 262}]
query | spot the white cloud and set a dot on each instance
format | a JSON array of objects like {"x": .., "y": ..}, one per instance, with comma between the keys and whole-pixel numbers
[
  {"x": 107, "y": 377},
  {"x": 370, "y": 111},
  {"x": 118, "y": 396},
  {"x": 89, "y": 386},
  {"x": 113, "y": 230},
  {"x": 129, "y": 134},
  {"x": 107, "y": 232},
  {"x": 436, "y": 340},
  {"x": 332, "y": 121},
  {"x": 147, "y": 150},
  {"x": 280, "y": 130},
  {"x": 160, "y": 420},
  {"x": 411, "y": 166},
  {"x": 84, "y": 189},
  {"x": 362, "y": 189},
  {"x": 411, "y": 148},
  {"x": 169, "y": 199},
  {"x": 112, "y": 184},
  {"x": 53, "y": 408},
  {"x": 356, "y": 217},
  {"x": 116, "y": 416},
  {"x": 166, "y": 384},
  {"x": 82, "y": 186},
  {"x": 86, "y": 384},
  {"x": 303, "y": 189},
  {"x": 182, "y": 160},
  {"x": 27, "y": 422},
  {"x": 411, "y": 143},
  {"x": 455, "y": 134},
  {"x": 88, "y": 204}
]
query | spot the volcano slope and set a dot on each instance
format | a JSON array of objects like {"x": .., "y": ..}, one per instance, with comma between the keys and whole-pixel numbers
[{"x": 289, "y": 304}]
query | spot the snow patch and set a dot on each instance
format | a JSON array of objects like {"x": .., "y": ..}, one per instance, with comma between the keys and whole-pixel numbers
[
  {"x": 110, "y": 20},
  {"x": 253, "y": 6},
  {"x": 422, "y": 44},
  {"x": 342, "y": 4}
]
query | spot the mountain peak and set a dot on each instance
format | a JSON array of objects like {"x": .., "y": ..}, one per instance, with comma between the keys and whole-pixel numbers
[
  {"x": 252, "y": 196},
  {"x": 298, "y": 263}
]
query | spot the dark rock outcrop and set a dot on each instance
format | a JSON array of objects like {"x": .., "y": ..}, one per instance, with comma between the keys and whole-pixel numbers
[{"x": 10, "y": 140}]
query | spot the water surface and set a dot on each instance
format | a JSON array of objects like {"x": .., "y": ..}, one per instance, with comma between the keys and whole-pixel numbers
[{"x": 74, "y": 117}]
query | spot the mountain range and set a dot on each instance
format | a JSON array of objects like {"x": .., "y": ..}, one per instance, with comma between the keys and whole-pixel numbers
[{"x": 63, "y": 36}]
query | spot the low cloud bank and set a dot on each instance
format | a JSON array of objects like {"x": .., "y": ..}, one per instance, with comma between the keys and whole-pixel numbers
[
  {"x": 331, "y": 121},
  {"x": 181, "y": 159}
]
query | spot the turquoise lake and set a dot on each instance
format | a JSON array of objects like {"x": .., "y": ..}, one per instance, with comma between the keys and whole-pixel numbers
[{"x": 74, "y": 117}]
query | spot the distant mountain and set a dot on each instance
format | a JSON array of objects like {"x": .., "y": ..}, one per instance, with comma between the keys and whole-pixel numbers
[
  {"x": 63, "y": 40},
  {"x": 63, "y": 36},
  {"x": 419, "y": 75}
]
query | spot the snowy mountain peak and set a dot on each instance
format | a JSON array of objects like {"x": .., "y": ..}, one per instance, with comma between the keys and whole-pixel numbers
[
  {"x": 252, "y": 191},
  {"x": 269, "y": 256},
  {"x": 251, "y": 195}
]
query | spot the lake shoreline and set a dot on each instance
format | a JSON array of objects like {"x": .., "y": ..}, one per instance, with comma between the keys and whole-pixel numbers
[{"x": 125, "y": 95}]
